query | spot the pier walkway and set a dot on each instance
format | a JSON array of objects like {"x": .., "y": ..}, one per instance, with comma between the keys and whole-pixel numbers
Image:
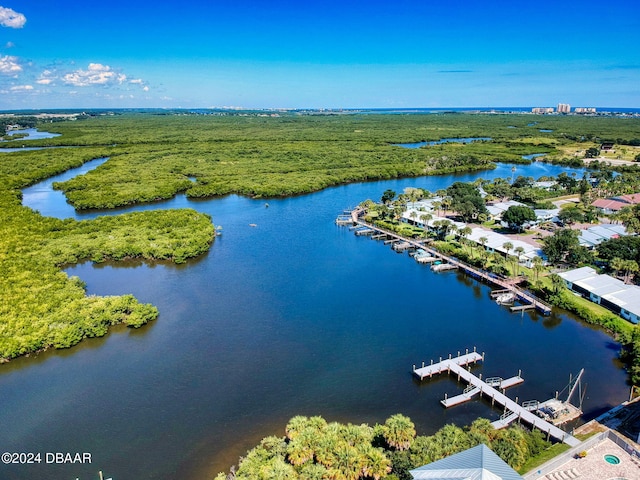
[
  {"x": 513, "y": 411},
  {"x": 527, "y": 298}
]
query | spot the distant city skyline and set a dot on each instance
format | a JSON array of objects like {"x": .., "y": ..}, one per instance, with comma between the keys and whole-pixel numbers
[{"x": 330, "y": 54}]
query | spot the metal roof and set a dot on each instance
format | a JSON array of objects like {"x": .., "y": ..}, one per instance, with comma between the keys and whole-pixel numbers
[
  {"x": 578, "y": 274},
  {"x": 477, "y": 463},
  {"x": 607, "y": 287}
]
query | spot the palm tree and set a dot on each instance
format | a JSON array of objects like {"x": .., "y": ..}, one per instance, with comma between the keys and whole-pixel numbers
[
  {"x": 413, "y": 215},
  {"x": 425, "y": 217},
  {"x": 464, "y": 232},
  {"x": 278, "y": 469},
  {"x": 377, "y": 465},
  {"x": 446, "y": 203},
  {"x": 301, "y": 450},
  {"x": 399, "y": 431},
  {"x": 617, "y": 265},
  {"x": 511, "y": 446},
  {"x": 557, "y": 282},
  {"x": 437, "y": 205},
  {"x": 348, "y": 463},
  {"x": 629, "y": 267},
  {"x": 507, "y": 246},
  {"x": 483, "y": 241},
  {"x": 518, "y": 251},
  {"x": 538, "y": 266}
]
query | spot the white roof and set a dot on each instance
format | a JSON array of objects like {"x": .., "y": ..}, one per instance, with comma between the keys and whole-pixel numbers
[
  {"x": 629, "y": 299},
  {"x": 477, "y": 463},
  {"x": 547, "y": 212},
  {"x": 607, "y": 287},
  {"x": 596, "y": 235},
  {"x": 496, "y": 241},
  {"x": 578, "y": 274},
  {"x": 434, "y": 218},
  {"x": 500, "y": 207},
  {"x": 601, "y": 285}
]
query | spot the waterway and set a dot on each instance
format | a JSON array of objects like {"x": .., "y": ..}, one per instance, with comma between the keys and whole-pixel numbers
[
  {"x": 30, "y": 134},
  {"x": 293, "y": 316},
  {"x": 442, "y": 141}
]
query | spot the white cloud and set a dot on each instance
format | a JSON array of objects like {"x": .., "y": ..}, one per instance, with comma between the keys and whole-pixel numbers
[
  {"x": 21, "y": 88},
  {"x": 9, "y": 45},
  {"x": 96, "y": 74},
  {"x": 9, "y": 65},
  {"x": 11, "y": 18},
  {"x": 47, "y": 77}
]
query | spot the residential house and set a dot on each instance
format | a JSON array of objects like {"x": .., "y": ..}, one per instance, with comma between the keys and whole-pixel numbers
[
  {"x": 608, "y": 205},
  {"x": 607, "y": 147},
  {"x": 605, "y": 290},
  {"x": 477, "y": 463},
  {"x": 496, "y": 209},
  {"x": 593, "y": 236}
]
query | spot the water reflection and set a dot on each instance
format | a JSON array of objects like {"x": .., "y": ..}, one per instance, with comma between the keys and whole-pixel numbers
[{"x": 296, "y": 316}]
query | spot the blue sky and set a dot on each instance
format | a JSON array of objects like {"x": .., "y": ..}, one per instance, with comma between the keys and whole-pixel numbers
[{"x": 318, "y": 54}]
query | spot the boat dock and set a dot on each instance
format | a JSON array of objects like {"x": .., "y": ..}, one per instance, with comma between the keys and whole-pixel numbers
[
  {"x": 528, "y": 300},
  {"x": 512, "y": 410}
]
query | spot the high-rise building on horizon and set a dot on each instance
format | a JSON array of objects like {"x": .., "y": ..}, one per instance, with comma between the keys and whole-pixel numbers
[{"x": 564, "y": 108}]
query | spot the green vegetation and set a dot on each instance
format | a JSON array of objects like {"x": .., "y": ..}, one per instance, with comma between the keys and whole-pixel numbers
[
  {"x": 41, "y": 306},
  {"x": 154, "y": 156},
  {"x": 517, "y": 216},
  {"x": 465, "y": 199},
  {"x": 316, "y": 449}
]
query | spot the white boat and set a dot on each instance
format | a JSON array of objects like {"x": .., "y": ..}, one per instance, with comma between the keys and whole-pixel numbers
[{"x": 505, "y": 298}]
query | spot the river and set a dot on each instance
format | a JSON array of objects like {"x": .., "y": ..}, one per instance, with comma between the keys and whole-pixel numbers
[{"x": 293, "y": 316}]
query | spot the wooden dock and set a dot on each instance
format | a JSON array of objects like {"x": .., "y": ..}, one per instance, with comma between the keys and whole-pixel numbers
[
  {"x": 513, "y": 411},
  {"x": 526, "y": 298},
  {"x": 521, "y": 308}
]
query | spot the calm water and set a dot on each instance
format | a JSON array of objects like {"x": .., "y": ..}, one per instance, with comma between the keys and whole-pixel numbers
[
  {"x": 293, "y": 316},
  {"x": 443, "y": 140},
  {"x": 31, "y": 134}
]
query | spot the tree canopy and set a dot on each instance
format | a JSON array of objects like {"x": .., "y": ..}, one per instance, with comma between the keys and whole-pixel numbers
[
  {"x": 626, "y": 248},
  {"x": 466, "y": 200},
  {"x": 516, "y": 216},
  {"x": 561, "y": 245},
  {"x": 316, "y": 449}
]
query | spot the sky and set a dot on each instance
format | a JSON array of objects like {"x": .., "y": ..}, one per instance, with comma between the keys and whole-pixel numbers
[{"x": 318, "y": 54}]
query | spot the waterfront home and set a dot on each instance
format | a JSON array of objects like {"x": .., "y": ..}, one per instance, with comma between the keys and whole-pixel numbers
[
  {"x": 494, "y": 242},
  {"x": 424, "y": 205},
  {"x": 631, "y": 199},
  {"x": 593, "y": 236},
  {"x": 608, "y": 205},
  {"x": 546, "y": 214},
  {"x": 477, "y": 463},
  {"x": 615, "y": 204},
  {"x": 498, "y": 208},
  {"x": 416, "y": 217},
  {"x": 605, "y": 290}
]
